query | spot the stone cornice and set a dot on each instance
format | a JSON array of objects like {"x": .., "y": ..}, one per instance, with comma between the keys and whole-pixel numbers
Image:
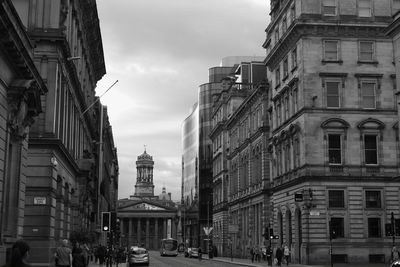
[
  {"x": 92, "y": 36},
  {"x": 394, "y": 27},
  {"x": 17, "y": 45},
  {"x": 335, "y": 29}
]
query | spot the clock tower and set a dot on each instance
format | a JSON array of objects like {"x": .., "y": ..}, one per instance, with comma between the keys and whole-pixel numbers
[{"x": 144, "y": 182}]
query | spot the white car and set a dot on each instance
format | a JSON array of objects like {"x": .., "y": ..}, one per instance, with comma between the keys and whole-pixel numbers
[{"x": 138, "y": 255}]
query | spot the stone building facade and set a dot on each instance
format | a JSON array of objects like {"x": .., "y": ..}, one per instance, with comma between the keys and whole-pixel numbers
[
  {"x": 334, "y": 142},
  {"x": 68, "y": 181},
  {"x": 21, "y": 88},
  {"x": 144, "y": 218},
  {"x": 240, "y": 174}
]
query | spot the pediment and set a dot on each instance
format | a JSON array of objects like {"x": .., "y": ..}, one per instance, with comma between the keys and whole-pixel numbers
[{"x": 142, "y": 206}]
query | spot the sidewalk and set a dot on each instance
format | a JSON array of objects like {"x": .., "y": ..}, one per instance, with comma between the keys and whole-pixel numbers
[{"x": 247, "y": 262}]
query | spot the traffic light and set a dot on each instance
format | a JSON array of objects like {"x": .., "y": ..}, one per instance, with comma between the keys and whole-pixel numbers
[
  {"x": 271, "y": 233},
  {"x": 105, "y": 221}
]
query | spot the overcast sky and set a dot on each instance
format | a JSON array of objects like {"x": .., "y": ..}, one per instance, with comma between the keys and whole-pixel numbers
[{"x": 160, "y": 52}]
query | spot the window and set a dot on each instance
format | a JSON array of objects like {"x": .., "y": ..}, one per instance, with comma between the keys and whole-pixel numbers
[
  {"x": 336, "y": 198},
  {"x": 337, "y": 225},
  {"x": 293, "y": 12},
  {"x": 374, "y": 227},
  {"x": 287, "y": 115},
  {"x": 334, "y": 149},
  {"x": 368, "y": 94},
  {"x": 370, "y": 149},
  {"x": 329, "y": 7},
  {"x": 287, "y": 157},
  {"x": 366, "y": 51},
  {"x": 364, "y": 8},
  {"x": 277, "y": 35},
  {"x": 278, "y": 112},
  {"x": 332, "y": 94},
  {"x": 294, "y": 58},
  {"x": 331, "y": 50},
  {"x": 295, "y": 100},
  {"x": 285, "y": 68},
  {"x": 277, "y": 76},
  {"x": 372, "y": 199},
  {"x": 284, "y": 25}
]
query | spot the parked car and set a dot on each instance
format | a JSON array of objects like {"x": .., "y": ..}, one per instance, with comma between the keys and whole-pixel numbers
[
  {"x": 138, "y": 255},
  {"x": 192, "y": 253}
]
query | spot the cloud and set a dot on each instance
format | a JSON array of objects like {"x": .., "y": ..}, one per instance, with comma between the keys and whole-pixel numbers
[{"x": 160, "y": 52}]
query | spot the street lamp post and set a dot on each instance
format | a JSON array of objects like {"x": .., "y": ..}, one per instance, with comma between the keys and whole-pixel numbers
[{"x": 393, "y": 232}]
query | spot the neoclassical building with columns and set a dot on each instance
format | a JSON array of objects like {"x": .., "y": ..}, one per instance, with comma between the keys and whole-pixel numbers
[{"x": 144, "y": 218}]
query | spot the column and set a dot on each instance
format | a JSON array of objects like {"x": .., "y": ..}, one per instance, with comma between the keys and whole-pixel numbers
[
  {"x": 157, "y": 242},
  {"x": 147, "y": 233},
  {"x": 173, "y": 229},
  {"x": 122, "y": 229},
  {"x": 139, "y": 232},
  {"x": 164, "y": 228},
  {"x": 130, "y": 233}
]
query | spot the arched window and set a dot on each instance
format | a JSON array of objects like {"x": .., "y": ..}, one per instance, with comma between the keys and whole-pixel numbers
[
  {"x": 335, "y": 136},
  {"x": 371, "y": 136}
]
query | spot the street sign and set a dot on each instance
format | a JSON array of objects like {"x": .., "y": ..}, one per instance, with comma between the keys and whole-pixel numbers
[
  {"x": 314, "y": 213},
  {"x": 298, "y": 197},
  {"x": 207, "y": 230},
  {"x": 39, "y": 200}
]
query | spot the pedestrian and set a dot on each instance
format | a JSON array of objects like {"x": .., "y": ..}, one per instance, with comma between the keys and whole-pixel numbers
[
  {"x": 96, "y": 254},
  {"x": 395, "y": 254},
  {"x": 252, "y": 254},
  {"x": 286, "y": 253},
  {"x": 269, "y": 255},
  {"x": 199, "y": 252},
  {"x": 86, "y": 252},
  {"x": 278, "y": 255},
  {"x": 258, "y": 254},
  {"x": 101, "y": 252},
  {"x": 63, "y": 255},
  {"x": 19, "y": 255},
  {"x": 78, "y": 258}
]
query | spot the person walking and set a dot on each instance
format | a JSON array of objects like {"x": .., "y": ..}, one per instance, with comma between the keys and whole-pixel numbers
[
  {"x": 101, "y": 252},
  {"x": 78, "y": 258},
  {"x": 286, "y": 254},
  {"x": 252, "y": 253},
  {"x": 278, "y": 255},
  {"x": 269, "y": 255},
  {"x": 395, "y": 254},
  {"x": 63, "y": 255},
  {"x": 19, "y": 255},
  {"x": 199, "y": 253}
]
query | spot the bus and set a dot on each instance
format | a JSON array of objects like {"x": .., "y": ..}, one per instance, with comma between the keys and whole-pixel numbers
[{"x": 169, "y": 247}]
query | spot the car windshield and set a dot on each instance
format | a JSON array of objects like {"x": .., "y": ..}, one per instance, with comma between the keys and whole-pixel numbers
[
  {"x": 195, "y": 249},
  {"x": 139, "y": 251},
  {"x": 170, "y": 244}
]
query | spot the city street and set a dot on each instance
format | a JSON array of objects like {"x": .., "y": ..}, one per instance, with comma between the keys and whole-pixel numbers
[{"x": 156, "y": 260}]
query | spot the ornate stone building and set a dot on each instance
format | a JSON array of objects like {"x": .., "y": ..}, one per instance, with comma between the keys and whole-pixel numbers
[
  {"x": 334, "y": 128},
  {"x": 21, "y": 88},
  {"x": 240, "y": 167},
  {"x": 197, "y": 165},
  {"x": 71, "y": 162},
  {"x": 144, "y": 218}
]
